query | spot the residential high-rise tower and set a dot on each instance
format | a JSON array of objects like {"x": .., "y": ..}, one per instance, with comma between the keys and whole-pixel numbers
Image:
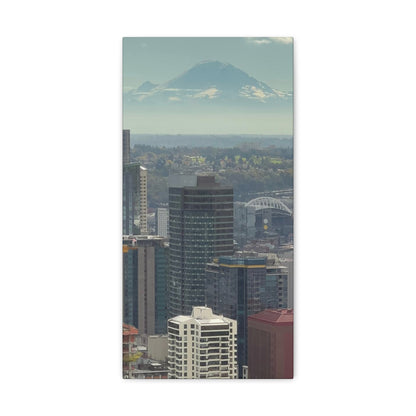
[
  {"x": 134, "y": 192},
  {"x": 202, "y": 345},
  {"x": 134, "y": 199}
]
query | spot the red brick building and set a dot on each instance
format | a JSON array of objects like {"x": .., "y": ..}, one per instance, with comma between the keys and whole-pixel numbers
[{"x": 270, "y": 344}]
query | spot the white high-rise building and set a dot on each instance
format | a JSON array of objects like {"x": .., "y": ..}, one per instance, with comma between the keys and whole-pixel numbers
[
  {"x": 202, "y": 345},
  {"x": 162, "y": 220},
  {"x": 134, "y": 199}
]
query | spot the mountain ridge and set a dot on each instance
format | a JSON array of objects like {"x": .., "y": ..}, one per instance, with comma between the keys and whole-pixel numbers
[{"x": 209, "y": 81}]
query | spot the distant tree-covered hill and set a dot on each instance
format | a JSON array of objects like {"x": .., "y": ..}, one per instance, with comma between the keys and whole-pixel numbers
[{"x": 250, "y": 171}]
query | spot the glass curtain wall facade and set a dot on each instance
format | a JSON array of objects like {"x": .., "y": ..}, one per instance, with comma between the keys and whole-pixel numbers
[
  {"x": 145, "y": 272},
  {"x": 200, "y": 229},
  {"x": 233, "y": 288},
  {"x": 244, "y": 223},
  {"x": 275, "y": 292},
  {"x": 130, "y": 283},
  {"x": 161, "y": 287}
]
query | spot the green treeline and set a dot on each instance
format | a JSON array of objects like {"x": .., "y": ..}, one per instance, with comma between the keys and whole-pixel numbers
[{"x": 248, "y": 169}]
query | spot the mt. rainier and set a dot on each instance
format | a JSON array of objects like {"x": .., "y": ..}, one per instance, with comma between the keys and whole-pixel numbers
[{"x": 210, "y": 83}]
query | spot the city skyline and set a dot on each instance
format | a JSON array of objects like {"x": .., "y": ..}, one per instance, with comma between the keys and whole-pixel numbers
[{"x": 207, "y": 204}]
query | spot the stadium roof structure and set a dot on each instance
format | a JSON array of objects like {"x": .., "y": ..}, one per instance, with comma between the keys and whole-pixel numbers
[{"x": 265, "y": 202}]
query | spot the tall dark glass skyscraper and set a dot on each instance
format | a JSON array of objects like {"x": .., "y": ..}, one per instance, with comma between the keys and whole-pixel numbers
[
  {"x": 233, "y": 288},
  {"x": 200, "y": 229},
  {"x": 244, "y": 284}
]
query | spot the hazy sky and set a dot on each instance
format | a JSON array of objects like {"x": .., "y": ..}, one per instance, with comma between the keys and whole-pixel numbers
[{"x": 161, "y": 59}]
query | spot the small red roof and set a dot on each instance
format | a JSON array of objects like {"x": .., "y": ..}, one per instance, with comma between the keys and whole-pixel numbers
[
  {"x": 274, "y": 317},
  {"x": 130, "y": 330}
]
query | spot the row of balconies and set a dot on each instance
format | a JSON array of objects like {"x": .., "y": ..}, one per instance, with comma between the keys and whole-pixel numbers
[
  {"x": 208, "y": 363},
  {"x": 215, "y": 368},
  {"x": 172, "y": 358},
  {"x": 216, "y": 352},
  {"x": 202, "y": 348},
  {"x": 177, "y": 338},
  {"x": 210, "y": 344},
  {"x": 211, "y": 357},
  {"x": 174, "y": 345},
  {"x": 208, "y": 370},
  {"x": 213, "y": 373},
  {"x": 205, "y": 351},
  {"x": 209, "y": 339}
]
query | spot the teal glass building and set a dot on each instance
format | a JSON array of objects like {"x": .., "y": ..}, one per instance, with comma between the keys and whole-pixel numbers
[
  {"x": 145, "y": 273},
  {"x": 234, "y": 288}
]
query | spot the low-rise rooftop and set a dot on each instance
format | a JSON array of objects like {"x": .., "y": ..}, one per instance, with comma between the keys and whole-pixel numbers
[
  {"x": 275, "y": 317},
  {"x": 130, "y": 330},
  {"x": 203, "y": 315}
]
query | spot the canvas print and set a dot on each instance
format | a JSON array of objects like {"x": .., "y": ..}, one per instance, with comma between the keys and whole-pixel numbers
[{"x": 207, "y": 208}]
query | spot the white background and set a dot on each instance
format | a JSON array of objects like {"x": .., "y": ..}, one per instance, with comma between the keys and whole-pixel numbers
[{"x": 60, "y": 294}]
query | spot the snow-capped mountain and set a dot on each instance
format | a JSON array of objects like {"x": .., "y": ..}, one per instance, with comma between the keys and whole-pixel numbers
[{"x": 210, "y": 82}]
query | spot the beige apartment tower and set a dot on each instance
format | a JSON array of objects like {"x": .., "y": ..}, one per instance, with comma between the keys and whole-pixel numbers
[
  {"x": 134, "y": 199},
  {"x": 202, "y": 345}
]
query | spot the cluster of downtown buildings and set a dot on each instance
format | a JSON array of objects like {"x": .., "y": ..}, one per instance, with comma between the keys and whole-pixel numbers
[{"x": 194, "y": 305}]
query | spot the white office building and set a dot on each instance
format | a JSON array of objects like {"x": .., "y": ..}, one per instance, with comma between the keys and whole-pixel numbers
[{"x": 202, "y": 345}]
